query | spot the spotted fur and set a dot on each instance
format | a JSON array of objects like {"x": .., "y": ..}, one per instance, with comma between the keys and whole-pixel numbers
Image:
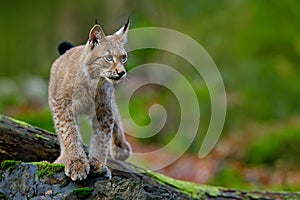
[{"x": 82, "y": 82}]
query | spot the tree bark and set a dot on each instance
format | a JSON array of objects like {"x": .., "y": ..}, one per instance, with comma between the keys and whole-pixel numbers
[{"x": 23, "y": 142}]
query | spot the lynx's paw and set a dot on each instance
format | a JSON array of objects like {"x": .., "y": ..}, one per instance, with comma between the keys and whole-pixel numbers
[
  {"x": 77, "y": 169},
  {"x": 121, "y": 151},
  {"x": 98, "y": 168}
]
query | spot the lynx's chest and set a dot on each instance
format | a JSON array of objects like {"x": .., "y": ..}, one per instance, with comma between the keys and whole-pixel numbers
[{"x": 83, "y": 99}]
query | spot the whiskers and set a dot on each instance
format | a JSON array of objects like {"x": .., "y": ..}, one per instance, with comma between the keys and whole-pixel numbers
[{"x": 125, "y": 78}]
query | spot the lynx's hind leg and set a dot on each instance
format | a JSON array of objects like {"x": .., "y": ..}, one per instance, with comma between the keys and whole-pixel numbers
[{"x": 120, "y": 149}]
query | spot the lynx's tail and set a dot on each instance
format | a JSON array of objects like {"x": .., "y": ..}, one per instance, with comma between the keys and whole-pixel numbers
[{"x": 64, "y": 46}]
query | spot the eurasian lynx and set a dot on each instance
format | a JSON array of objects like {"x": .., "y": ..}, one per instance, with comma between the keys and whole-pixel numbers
[{"x": 82, "y": 82}]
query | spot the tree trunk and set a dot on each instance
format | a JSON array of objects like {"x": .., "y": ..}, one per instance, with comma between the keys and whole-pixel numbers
[{"x": 40, "y": 180}]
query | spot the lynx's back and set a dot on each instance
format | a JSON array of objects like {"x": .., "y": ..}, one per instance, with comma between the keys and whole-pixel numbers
[{"x": 63, "y": 73}]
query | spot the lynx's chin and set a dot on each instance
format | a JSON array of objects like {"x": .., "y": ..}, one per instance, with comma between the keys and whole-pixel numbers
[{"x": 113, "y": 80}]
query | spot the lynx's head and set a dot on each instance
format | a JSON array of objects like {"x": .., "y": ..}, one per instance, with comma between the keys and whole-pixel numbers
[{"x": 105, "y": 56}]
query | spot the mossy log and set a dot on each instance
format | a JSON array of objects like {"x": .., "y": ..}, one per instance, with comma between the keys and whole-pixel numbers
[{"x": 28, "y": 177}]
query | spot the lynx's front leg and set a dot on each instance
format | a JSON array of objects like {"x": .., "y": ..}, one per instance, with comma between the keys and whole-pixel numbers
[
  {"x": 72, "y": 152},
  {"x": 102, "y": 131}
]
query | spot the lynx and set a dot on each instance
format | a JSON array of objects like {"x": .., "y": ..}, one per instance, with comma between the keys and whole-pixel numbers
[{"x": 82, "y": 82}]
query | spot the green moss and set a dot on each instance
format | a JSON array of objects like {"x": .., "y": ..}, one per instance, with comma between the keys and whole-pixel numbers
[
  {"x": 255, "y": 196},
  {"x": 48, "y": 169},
  {"x": 9, "y": 164},
  {"x": 27, "y": 125},
  {"x": 40, "y": 136},
  {"x": 2, "y": 196},
  {"x": 41, "y": 118},
  {"x": 24, "y": 124},
  {"x": 1, "y": 175},
  {"x": 192, "y": 189},
  {"x": 83, "y": 193}
]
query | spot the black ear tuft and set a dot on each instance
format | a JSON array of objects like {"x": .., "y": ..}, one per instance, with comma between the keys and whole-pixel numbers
[
  {"x": 126, "y": 25},
  {"x": 96, "y": 21},
  {"x": 64, "y": 46}
]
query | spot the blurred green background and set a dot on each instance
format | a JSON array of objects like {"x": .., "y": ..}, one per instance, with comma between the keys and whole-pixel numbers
[{"x": 255, "y": 44}]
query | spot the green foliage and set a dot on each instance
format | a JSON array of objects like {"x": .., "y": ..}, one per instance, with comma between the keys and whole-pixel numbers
[
  {"x": 276, "y": 146},
  {"x": 255, "y": 44},
  {"x": 41, "y": 118},
  {"x": 48, "y": 169},
  {"x": 258, "y": 64},
  {"x": 83, "y": 193},
  {"x": 229, "y": 176}
]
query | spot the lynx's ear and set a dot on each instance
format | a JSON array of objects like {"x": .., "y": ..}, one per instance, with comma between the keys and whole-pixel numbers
[
  {"x": 122, "y": 33},
  {"x": 96, "y": 35}
]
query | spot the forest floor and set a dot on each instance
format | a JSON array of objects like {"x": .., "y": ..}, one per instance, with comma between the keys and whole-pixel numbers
[{"x": 226, "y": 165}]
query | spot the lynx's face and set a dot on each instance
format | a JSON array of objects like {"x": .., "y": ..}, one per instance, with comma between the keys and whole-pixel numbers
[{"x": 106, "y": 56}]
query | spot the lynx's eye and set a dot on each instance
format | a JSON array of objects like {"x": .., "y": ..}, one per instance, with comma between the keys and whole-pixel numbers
[
  {"x": 124, "y": 59},
  {"x": 109, "y": 58}
]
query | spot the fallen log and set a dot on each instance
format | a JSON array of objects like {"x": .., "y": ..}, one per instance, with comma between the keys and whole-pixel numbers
[{"x": 27, "y": 177}]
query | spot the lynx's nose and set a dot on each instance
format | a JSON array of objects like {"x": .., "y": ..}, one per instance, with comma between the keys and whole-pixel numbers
[
  {"x": 121, "y": 74},
  {"x": 116, "y": 75}
]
